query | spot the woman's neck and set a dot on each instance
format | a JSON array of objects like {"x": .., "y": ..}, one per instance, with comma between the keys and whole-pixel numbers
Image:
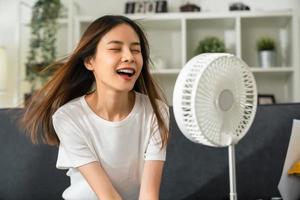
[{"x": 111, "y": 106}]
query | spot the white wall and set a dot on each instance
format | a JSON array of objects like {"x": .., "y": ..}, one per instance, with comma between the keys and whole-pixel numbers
[
  {"x": 10, "y": 37},
  {"x": 9, "y": 40}
]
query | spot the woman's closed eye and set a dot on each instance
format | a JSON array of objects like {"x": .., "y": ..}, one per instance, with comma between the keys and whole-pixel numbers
[
  {"x": 115, "y": 49},
  {"x": 120, "y": 49},
  {"x": 135, "y": 50}
]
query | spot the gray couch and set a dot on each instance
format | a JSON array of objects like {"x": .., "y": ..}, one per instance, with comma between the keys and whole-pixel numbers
[{"x": 192, "y": 171}]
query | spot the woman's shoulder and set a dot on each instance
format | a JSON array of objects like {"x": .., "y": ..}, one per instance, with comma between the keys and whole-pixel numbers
[
  {"x": 71, "y": 108},
  {"x": 145, "y": 101}
]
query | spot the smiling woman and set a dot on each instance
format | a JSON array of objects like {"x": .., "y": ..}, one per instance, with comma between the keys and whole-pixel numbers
[
  {"x": 112, "y": 138},
  {"x": 118, "y": 54}
]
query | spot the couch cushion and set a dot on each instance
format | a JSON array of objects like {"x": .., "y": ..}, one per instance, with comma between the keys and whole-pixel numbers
[
  {"x": 26, "y": 171},
  {"x": 195, "y": 171}
]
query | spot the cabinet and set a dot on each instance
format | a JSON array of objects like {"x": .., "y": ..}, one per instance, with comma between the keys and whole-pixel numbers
[{"x": 174, "y": 36}]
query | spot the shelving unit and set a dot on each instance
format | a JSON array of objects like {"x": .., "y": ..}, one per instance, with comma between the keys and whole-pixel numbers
[
  {"x": 239, "y": 31},
  {"x": 174, "y": 36}
]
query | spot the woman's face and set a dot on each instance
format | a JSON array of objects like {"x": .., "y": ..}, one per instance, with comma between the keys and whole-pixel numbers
[{"x": 118, "y": 60}]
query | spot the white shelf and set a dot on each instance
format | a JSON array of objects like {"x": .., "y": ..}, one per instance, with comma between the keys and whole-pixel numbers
[
  {"x": 272, "y": 70},
  {"x": 195, "y": 15},
  {"x": 211, "y": 15}
]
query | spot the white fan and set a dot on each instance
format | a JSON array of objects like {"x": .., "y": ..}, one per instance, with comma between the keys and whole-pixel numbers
[{"x": 214, "y": 102}]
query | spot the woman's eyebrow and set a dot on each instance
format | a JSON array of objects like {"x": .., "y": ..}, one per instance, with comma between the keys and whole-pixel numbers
[
  {"x": 115, "y": 42},
  {"x": 120, "y": 42}
]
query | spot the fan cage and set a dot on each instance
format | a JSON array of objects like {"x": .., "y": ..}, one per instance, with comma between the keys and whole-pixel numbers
[{"x": 193, "y": 72}]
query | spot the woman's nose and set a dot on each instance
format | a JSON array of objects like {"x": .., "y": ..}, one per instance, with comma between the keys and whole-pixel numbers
[{"x": 127, "y": 56}]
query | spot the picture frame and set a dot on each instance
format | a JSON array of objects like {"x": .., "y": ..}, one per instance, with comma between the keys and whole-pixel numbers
[
  {"x": 139, "y": 7},
  {"x": 266, "y": 99},
  {"x": 129, "y": 7},
  {"x": 161, "y": 6},
  {"x": 148, "y": 6}
]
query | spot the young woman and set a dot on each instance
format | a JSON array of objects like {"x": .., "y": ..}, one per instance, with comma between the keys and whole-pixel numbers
[{"x": 105, "y": 112}]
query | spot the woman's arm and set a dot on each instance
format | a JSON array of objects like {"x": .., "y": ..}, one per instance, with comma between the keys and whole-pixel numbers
[
  {"x": 99, "y": 181},
  {"x": 151, "y": 178}
]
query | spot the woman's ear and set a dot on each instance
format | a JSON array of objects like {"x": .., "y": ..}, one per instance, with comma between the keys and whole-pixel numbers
[{"x": 88, "y": 63}]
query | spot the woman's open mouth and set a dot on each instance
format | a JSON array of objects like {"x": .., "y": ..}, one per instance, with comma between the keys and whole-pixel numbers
[{"x": 126, "y": 73}]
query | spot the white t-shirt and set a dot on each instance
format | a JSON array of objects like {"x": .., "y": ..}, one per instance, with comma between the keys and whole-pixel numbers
[{"x": 120, "y": 147}]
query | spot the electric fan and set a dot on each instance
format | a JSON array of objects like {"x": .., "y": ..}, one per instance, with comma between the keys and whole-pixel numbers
[{"x": 214, "y": 102}]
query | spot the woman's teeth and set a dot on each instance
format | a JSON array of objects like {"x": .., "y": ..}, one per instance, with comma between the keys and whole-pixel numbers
[{"x": 129, "y": 72}]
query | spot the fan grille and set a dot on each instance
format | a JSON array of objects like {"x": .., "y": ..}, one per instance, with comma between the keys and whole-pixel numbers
[{"x": 207, "y": 77}]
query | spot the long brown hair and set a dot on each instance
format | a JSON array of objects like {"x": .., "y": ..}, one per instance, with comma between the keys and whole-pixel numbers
[{"x": 72, "y": 80}]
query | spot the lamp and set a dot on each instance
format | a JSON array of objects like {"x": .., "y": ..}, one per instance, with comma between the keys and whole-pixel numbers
[{"x": 3, "y": 69}]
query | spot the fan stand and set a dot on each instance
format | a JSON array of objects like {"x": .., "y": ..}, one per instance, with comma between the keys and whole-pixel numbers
[
  {"x": 225, "y": 102},
  {"x": 232, "y": 173}
]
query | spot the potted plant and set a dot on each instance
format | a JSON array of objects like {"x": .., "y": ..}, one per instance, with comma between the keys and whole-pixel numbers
[
  {"x": 42, "y": 49},
  {"x": 210, "y": 45},
  {"x": 266, "y": 51}
]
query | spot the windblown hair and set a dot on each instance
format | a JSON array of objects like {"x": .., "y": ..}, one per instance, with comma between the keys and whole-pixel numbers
[{"x": 71, "y": 80}]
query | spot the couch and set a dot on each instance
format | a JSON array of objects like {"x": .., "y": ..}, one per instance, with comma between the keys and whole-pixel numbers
[{"x": 192, "y": 171}]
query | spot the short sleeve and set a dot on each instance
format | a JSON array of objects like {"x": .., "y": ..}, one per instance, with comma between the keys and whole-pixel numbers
[
  {"x": 73, "y": 147},
  {"x": 153, "y": 150}
]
